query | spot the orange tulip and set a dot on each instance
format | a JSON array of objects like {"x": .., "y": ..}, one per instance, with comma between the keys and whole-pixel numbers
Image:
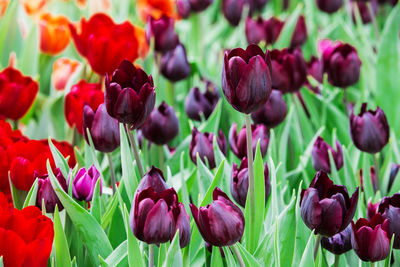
[
  {"x": 3, "y": 6},
  {"x": 63, "y": 68},
  {"x": 32, "y": 7},
  {"x": 156, "y": 8},
  {"x": 143, "y": 48},
  {"x": 54, "y": 33}
]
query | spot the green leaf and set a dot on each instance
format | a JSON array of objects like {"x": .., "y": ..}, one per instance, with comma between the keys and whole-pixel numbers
[
  {"x": 89, "y": 230},
  {"x": 63, "y": 258},
  {"x": 18, "y": 196},
  {"x": 117, "y": 256},
  {"x": 230, "y": 261},
  {"x": 388, "y": 258},
  {"x": 308, "y": 255},
  {"x": 59, "y": 159},
  {"x": 287, "y": 232},
  {"x": 212, "y": 123},
  {"x": 216, "y": 181},
  {"x": 95, "y": 208},
  {"x": 29, "y": 59},
  {"x": 286, "y": 34},
  {"x": 248, "y": 259},
  {"x": 30, "y": 199},
  {"x": 162, "y": 253},
  {"x": 174, "y": 255},
  {"x": 216, "y": 259}
]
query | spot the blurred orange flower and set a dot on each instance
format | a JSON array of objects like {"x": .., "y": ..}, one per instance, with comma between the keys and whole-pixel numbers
[
  {"x": 3, "y": 6},
  {"x": 63, "y": 68},
  {"x": 32, "y": 7},
  {"x": 54, "y": 33},
  {"x": 156, "y": 8},
  {"x": 143, "y": 45}
]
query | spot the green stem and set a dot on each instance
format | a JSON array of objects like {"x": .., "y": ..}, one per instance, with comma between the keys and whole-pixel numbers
[
  {"x": 135, "y": 150},
  {"x": 376, "y": 167},
  {"x": 316, "y": 246},
  {"x": 251, "y": 192},
  {"x": 151, "y": 255},
  {"x": 112, "y": 173},
  {"x": 337, "y": 259},
  {"x": 170, "y": 93},
  {"x": 371, "y": 13},
  {"x": 15, "y": 125},
  {"x": 346, "y": 101},
  {"x": 373, "y": 264},
  {"x": 161, "y": 157},
  {"x": 238, "y": 255}
]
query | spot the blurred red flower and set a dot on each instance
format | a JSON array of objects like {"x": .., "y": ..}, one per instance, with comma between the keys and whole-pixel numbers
[
  {"x": 17, "y": 93},
  {"x": 81, "y": 93},
  {"x": 105, "y": 44}
]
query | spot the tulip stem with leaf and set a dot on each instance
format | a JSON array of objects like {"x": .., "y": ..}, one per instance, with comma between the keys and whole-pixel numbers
[
  {"x": 135, "y": 150},
  {"x": 316, "y": 246},
  {"x": 238, "y": 255},
  {"x": 376, "y": 167},
  {"x": 252, "y": 195},
  {"x": 161, "y": 157},
  {"x": 151, "y": 255},
  {"x": 337, "y": 260},
  {"x": 112, "y": 173}
]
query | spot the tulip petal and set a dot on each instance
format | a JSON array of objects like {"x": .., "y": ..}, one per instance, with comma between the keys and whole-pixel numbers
[
  {"x": 331, "y": 214},
  {"x": 311, "y": 210},
  {"x": 160, "y": 225},
  {"x": 379, "y": 245}
]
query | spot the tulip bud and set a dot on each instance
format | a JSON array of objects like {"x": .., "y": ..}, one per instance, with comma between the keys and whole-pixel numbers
[
  {"x": 54, "y": 33},
  {"x": 154, "y": 178},
  {"x": 289, "y": 70},
  {"x": 203, "y": 145},
  {"x": 256, "y": 5},
  {"x": 84, "y": 183},
  {"x": 299, "y": 36},
  {"x": 389, "y": 208},
  {"x": 246, "y": 78},
  {"x": 316, "y": 69},
  {"x": 372, "y": 209},
  {"x": 103, "y": 128},
  {"x": 46, "y": 192},
  {"x": 156, "y": 216},
  {"x": 394, "y": 169},
  {"x": 165, "y": 37},
  {"x": 364, "y": 10},
  {"x": 342, "y": 64},
  {"x": 183, "y": 8},
  {"x": 130, "y": 95},
  {"x": 220, "y": 223},
  {"x": 325, "y": 207},
  {"x": 199, "y": 5},
  {"x": 369, "y": 129},
  {"x": 17, "y": 93},
  {"x": 339, "y": 243},
  {"x": 273, "y": 28},
  {"x": 232, "y": 10},
  {"x": 371, "y": 239},
  {"x": 174, "y": 64},
  {"x": 255, "y": 30},
  {"x": 273, "y": 112},
  {"x": 238, "y": 142},
  {"x": 197, "y": 103},
  {"x": 162, "y": 125},
  {"x": 329, "y": 6},
  {"x": 240, "y": 182},
  {"x": 320, "y": 155}
]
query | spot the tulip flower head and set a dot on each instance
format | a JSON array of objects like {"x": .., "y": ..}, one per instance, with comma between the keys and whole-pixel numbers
[
  {"x": 339, "y": 243},
  {"x": 246, "y": 78},
  {"x": 220, "y": 223},
  {"x": 197, "y": 103},
  {"x": 238, "y": 142},
  {"x": 273, "y": 112},
  {"x": 300, "y": 34},
  {"x": 329, "y": 6},
  {"x": 84, "y": 183},
  {"x": 54, "y": 33},
  {"x": 46, "y": 194},
  {"x": 320, "y": 155},
  {"x": 174, "y": 64},
  {"x": 232, "y": 10},
  {"x": 325, "y": 207},
  {"x": 130, "y": 95},
  {"x": 63, "y": 69},
  {"x": 316, "y": 69},
  {"x": 163, "y": 32}
]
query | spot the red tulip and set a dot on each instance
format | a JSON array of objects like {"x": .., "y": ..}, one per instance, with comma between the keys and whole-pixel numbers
[
  {"x": 17, "y": 93},
  {"x": 81, "y": 93},
  {"x": 105, "y": 44}
]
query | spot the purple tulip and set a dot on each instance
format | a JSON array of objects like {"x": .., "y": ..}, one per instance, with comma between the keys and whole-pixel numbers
[
  {"x": 199, "y": 5},
  {"x": 320, "y": 155},
  {"x": 369, "y": 129},
  {"x": 325, "y": 207},
  {"x": 246, "y": 78},
  {"x": 220, "y": 223},
  {"x": 255, "y": 30},
  {"x": 273, "y": 112},
  {"x": 364, "y": 10},
  {"x": 339, "y": 243},
  {"x": 232, "y": 10},
  {"x": 289, "y": 70},
  {"x": 394, "y": 169},
  {"x": 240, "y": 182},
  {"x": 163, "y": 31},
  {"x": 156, "y": 216},
  {"x": 203, "y": 145},
  {"x": 46, "y": 192},
  {"x": 154, "y": 178},
  {"x": 162, "y": 125},
  {"x": 174, "y": 64},
  {"x": 197, "y": 103},
  {"x": 299, "y": 36},
  {"x": 329, "y": 6},
  {"x": 103, "y": 128},
  {"x": 371, "y": 239},
  {"x": 256, "y": 5},
  {"x": 316, "y": 69},
  {"x": 273, "y": 27},
  {"x": 238, "y": 142},
  {"x": 130, "y": 95},
  {"x": 84, "y": 183},
  {"x": 183, "y": 8}
]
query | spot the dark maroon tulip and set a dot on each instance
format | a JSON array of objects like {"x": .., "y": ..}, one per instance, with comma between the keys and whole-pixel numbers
[
  {"x": 316, "y": 69},
  {"x": 232, "y": 10},
  {"x": 203, "y": 144},
  {"x": 372, "y": 209},
  {"x": 246, "y": 78},
  {"x": 240, "y": 182},
  {"x": 103, "y": 128},
  {"x": 273, "y": 27},
  {"x": 364, "y": 10},
  {"x": 342, "y": 65},
  {"x": 199, "y": 5},
  {"x": 163, "y": 32},
  {"x": 339, "y": 243},
  {"x": 256, "y": 5},
  {"x": 162, "y": 125},
  {"x": 371, "y": 239},
  {"x": 326, "y": 207},
  {"x": 320, "y": 155},
  {"x": 220, "y": 223},
  {"x": 299, "y": 36},
  {"x": 84, "y": 183},
  {"x": 174, "y": 64},
  {"x": 183, "y": 8},
  {"x": 326, "y": 47},
  {"x": 329, "y": 6},
  {"x": 154, "y": 178},
  {"x": 273, "y": 112},
  {"x": 46, "y": 192},
  {"x": 197, "y": 103},
  {"x": 369, "y": 129},
  {"x": 238, "y": 142},
  {"x": 156, "y": 216},
  {"x": 289, "y": 70},
  {"x": 130, "y": 95},
  {"x": 394, "y": 170},
  {"x": 255, "y": 30}
]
